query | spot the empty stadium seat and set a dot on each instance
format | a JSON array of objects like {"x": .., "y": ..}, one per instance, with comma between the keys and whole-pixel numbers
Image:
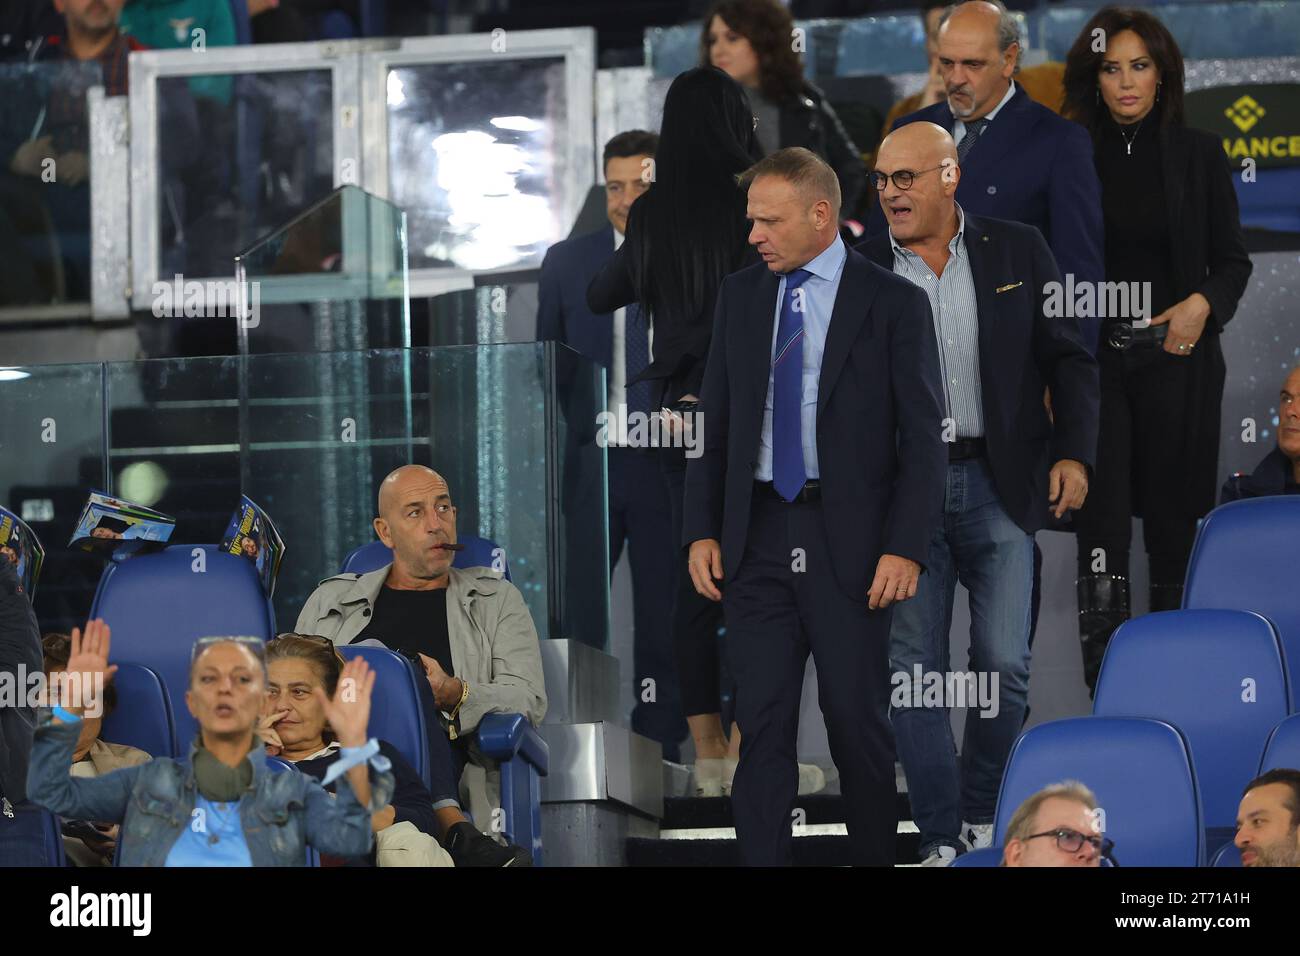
[
  {"x": 1283, "y": 748},
  {"x": 1140, "y": 770},
  {"x": 143, "y": 716},
  {"x": 1191, "y": 668},
  {"x": 478, "y": 553},
  {"x": 158, "y": 604},
  {"x": 1244, "y": 558},
  {"x": 395, "y": 714}
]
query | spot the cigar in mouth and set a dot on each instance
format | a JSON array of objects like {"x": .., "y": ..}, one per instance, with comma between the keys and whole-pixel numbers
[{"x": 450, "y": 547}]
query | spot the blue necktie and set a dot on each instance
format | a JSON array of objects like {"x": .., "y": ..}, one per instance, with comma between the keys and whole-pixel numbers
[
  {"x": 788, "y": 475},
  {"x": 636, "y": 355}
]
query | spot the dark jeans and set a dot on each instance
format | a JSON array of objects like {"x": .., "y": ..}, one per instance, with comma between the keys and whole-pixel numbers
[
  {"x": 697, "y": 621},
  {"x": 446, "y": 759},
  {"x": 641, "y": 517},
  {"x": 1142, "y": 424},
  {"x": 979, "y": 545}
]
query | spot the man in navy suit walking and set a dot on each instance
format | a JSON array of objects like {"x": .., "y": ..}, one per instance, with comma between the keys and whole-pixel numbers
[
  {"x": 1011, "y": 467},
  {"x": 1019, "y": 160},
  {"x": 810, "y": 510},
  {"x": 639, "y": 513}
]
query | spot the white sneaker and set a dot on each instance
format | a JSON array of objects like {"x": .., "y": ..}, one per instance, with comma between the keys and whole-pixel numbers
[
  {"x": 708, "y": 777},
  {"x": 941, "y": 856},
  {"x": 812, "y": 779},
  {"x": 729, "y": 765},
  {"x": 976, "y": 836}
]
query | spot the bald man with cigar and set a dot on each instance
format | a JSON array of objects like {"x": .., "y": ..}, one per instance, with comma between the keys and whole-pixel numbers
[{"x": 468, "y": 628}]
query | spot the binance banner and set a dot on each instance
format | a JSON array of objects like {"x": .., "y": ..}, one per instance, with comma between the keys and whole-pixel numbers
[{"x": 1255, "y": 121}]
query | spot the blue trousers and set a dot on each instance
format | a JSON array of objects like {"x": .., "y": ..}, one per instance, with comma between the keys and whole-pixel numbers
[{"x": 980, "y": 546}]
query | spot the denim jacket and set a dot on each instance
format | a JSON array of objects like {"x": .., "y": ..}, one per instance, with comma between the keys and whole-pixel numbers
[{"x": 281, "y": 813}]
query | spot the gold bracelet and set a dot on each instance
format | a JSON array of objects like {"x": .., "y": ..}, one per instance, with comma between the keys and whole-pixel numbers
[{"x": 464, "y": 695}]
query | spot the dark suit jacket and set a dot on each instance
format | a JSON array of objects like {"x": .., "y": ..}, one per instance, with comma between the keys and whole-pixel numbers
[
  {"x": 562, "y": 313},
  {"x": 1021, "y": 352},
  {"x": 1272, "y": 476},
  {"x": 1035, "y": 167},
  {"x": 880, "y": 452}
]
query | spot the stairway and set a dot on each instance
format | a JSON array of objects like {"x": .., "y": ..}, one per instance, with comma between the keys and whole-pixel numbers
[{"x": 699, "y": 831}]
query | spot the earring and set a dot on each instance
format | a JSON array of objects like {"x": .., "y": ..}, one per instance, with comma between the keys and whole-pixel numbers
[
  {"x": 1097, "y": 90},
  {"x": 1158, "y": 92}
]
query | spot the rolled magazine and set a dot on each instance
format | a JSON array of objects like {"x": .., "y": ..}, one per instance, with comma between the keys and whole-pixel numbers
[
  {"x": 21, "y": 548},
  {"x": 117, "y": 527},
  {"x": 252, "y": 533}
]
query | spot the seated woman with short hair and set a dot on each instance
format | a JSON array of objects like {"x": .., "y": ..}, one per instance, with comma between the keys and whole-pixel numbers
[
  {"x": 223, "y": 806},
  {"x": 305, "y": 669}
]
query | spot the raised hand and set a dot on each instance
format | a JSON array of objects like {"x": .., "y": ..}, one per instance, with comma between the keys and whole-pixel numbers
[
  {"x": 349, "y": 712},
  {"x": 88, "y": 657}
]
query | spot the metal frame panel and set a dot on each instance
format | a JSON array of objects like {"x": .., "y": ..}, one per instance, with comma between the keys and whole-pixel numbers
[
  {"x": 110, "y": 191},
  {"x": 578, "y": 48}
]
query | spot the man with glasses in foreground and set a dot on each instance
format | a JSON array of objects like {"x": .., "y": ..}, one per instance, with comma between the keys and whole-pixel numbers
[
  {"x": 1011, "y": 468},
  {"x": 1057, "y": 826}
]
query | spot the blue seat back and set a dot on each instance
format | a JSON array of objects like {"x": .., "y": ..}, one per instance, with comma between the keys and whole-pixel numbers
[
  {"x": 158, "y": 604},
  {"x": 478, "y": 553},
  {"x": 1244, "y": 558},
  {"x": 1215, "y": 675},
  {"x": 143, "y": 716},
  {"x": 983, "y": 857},
  {"x": 395, "y": 715},
  {"x": 1140, "y": 770},
  {"x": 1282, "y": 751},
  {"x": 1227, "y": 856}
]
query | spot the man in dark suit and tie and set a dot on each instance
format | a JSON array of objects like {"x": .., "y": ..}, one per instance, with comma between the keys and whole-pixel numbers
[
  {"x": 1019, "y": 160},
  {"x": 639, "y": 514},
  {"x": 1011, "y": 466},
  {"x": 809, "y": 512}
]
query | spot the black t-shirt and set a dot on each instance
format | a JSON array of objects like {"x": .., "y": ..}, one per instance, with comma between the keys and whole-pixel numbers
[{"x": 412, "y": 622}]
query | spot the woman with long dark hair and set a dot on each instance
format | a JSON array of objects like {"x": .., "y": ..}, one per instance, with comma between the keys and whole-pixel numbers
[
  {"x": 1173, "y": 234},
  {"x": 683, "y": 236},
  {"x": 752, "y": 41}
]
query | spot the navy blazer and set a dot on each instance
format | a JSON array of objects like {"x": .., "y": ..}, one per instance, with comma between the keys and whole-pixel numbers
[
  {"x": 562, "y": 313},
  {"x": 1035, "y": 167},
  {"x": 880, "y": 453},
  {"x": 1022, "y": 351}
]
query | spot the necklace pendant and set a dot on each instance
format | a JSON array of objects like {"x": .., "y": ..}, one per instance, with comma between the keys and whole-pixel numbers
[{"x": 1128, "y": 149}]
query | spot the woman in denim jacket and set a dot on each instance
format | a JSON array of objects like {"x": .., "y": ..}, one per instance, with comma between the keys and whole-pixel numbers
[{"x": 223, "y": 806}]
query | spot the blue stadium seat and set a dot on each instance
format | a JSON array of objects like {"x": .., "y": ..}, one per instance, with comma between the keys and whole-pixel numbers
[
  {"x": 1282, "y": 752},
  {"x": 1140, "y": 770},
  {"x": 989, "y": 856},
  {"x": 523, "y": 757},
  {"x": 1227, "y": 855},
  {"x": 1188, "y": 668},
  {"x": 32, "y": 836},
  {"x": 143, "y": 716},
  {"x": 1244, "y": 558},
  {"x": 395, "y": 714},
  {"x": 159, "y": 604},
  {"x": 478, "y": 553},
  {"x": 243, "y": 22},
  {"x": 1272, "y": 201}
]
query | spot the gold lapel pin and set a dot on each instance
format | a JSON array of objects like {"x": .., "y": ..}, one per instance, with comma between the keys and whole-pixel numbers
[{"x": 1008, "y": 288}]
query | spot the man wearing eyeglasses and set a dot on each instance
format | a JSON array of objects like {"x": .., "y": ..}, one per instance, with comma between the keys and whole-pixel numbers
[
  {"x": 1011, "y": 468},
  {"x": 1057, "y": 826}
]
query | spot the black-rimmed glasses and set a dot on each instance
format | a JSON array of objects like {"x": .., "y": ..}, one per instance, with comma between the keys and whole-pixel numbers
[
  {"x": 903, "y": 178},
  {"x": 1071, "y": 841}
]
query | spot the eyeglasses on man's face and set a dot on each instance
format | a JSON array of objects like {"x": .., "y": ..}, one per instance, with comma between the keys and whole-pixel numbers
[
  {"x": 903, "y": 178},
  {"x": 1071, "y": 841}
]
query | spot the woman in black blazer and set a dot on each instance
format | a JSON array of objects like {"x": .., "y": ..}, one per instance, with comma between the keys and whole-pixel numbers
[
  {"x": 751, "y": 40},
  {"x": 684, "y": 235},
  {"x": 1172, "y": 228}
]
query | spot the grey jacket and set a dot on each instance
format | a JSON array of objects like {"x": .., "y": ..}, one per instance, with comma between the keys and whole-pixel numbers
[{"x": 493, "y": 641}]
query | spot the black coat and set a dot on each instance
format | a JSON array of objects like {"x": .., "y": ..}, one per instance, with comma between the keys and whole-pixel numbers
[
  {"x": 20, "y": 652},
  {"x": 1207, "y": 255},
  {"x": 880, "y": 450},
  {"x": 1272, "y": 476},
  {"x": 809, "y": 121},
  {"x": 1022, "y": 350}
]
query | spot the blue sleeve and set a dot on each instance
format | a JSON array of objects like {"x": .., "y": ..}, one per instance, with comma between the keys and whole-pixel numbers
[
  {"x": 50, "y": 783},
  {"x": 550, "y": 312}
]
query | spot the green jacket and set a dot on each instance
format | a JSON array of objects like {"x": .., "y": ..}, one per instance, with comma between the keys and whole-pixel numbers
[
  {"x": 169, "y": 25},
  {"x": 493, "y": 641}
]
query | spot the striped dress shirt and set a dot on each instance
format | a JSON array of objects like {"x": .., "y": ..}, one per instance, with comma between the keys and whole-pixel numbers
[{"x": 956, "y": 326}]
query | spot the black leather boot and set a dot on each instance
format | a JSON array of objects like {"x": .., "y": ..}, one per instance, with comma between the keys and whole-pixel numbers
[
  {"x": 1103, "y": 606},
  {"x": 1166, "y": 597}
]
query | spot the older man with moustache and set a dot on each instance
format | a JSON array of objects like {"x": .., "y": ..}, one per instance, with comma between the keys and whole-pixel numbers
[
  {"x": 809, "y": 512},
  {"x": 1011, "y": 467},
  {"x": 468, "y": 628}
]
